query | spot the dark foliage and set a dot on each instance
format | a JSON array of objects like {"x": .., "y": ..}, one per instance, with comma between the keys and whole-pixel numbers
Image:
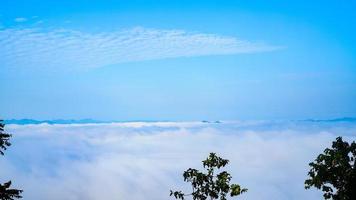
[
  {"x": 210, "y": 185},
  {"x": 334, "y": 171},
  {"x": 5, "y": 192},
  {"x": 4, "y": 138},
  {"x": 9, "y": 194}
]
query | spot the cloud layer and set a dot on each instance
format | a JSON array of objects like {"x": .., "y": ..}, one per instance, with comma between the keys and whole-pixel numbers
[
  {"x": 145, "y": 160},
  {"x": 63, "y": 48}
]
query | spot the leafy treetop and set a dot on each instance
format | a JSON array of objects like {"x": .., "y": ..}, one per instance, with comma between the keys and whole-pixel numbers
[
  {"x": 208, "y": 185},
  {"x": 4, "y": 138},
  {"x": 334, "y": 171}
]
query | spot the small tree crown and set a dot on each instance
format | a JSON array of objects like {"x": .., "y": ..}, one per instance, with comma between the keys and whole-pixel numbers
[
  {"x": 334, "y": 171},
  {"x": 208, "y": 185}
]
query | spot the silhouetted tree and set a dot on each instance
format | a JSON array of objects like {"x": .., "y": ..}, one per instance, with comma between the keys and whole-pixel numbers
[
  {"x": 4, "y": 138},
  {"x": 9, "y": 194},
  {"x": 334, "y": 171},
  {"x": 210, "y": 185},
  {"x": 5, "y": 192}
]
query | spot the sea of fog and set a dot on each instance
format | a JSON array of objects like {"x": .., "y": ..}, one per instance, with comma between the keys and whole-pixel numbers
[{"x": 144, "y": 160}]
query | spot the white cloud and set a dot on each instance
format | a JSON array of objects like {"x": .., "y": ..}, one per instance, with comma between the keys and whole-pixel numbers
[
  {"x": 20, "y": 19},
  {"x": 144, "y": 160},
  {"x": 63, "y": 48}
]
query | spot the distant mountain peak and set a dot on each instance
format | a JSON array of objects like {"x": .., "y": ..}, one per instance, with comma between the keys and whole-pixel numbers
[
  {"x": 55, "y": 121},
  {"x": 343, "y": 119}
]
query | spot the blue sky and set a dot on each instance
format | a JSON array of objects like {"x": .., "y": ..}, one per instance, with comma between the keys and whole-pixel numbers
[{"x": 177, "y": 60}]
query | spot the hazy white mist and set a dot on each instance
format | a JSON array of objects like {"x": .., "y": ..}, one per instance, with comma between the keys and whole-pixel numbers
[{"x": 142, "y": 160}]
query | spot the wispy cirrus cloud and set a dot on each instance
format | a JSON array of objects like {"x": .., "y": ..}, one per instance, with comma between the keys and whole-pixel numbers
[
  {"x": 64, "y": 48},
  {"x": 20, "y": 19}
]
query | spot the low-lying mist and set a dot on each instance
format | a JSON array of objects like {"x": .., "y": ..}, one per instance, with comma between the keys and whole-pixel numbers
[{"x": 144, "y": 160}]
